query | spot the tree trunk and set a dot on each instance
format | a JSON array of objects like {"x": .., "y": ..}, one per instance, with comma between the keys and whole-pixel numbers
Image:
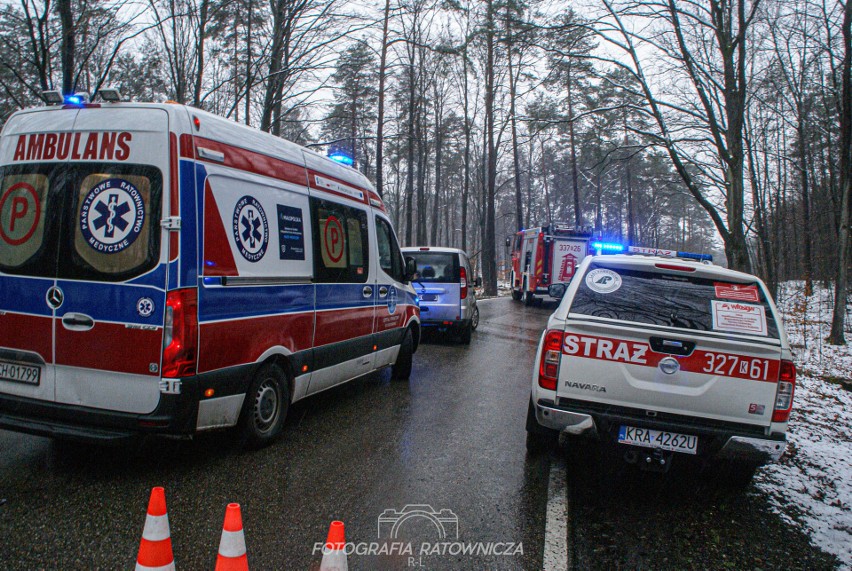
[
  {"x": 489, "y": 264},
  {"x": 66, "y": 17}
]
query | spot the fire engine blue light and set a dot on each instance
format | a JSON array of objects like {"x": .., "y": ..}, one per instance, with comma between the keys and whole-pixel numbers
[
  {"x": 608, "y": 246},
  {"x": 342, "y": 159},
  {"x": 691, "y": 256}
]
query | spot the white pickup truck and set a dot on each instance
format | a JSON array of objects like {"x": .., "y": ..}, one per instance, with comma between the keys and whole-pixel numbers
[{"x": 664, "y": 357}]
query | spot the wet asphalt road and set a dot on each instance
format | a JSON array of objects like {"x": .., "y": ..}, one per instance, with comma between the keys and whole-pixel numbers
[{"x": 451, "y": 438}]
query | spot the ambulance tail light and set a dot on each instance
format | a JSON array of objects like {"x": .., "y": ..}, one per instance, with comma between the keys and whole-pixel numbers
[
  {"x": 463, "y": 283},
  {"x": 784, "y": 396},
  {"x": 551, "y": 353},
  {"x": 180, "y": 341}
]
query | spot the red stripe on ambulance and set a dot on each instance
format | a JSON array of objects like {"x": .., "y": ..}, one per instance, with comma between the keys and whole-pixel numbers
[
  {"x": 33, "y": 333},
  {"x": 110, "y": 347},
  {"x": 704, "y": 362}
]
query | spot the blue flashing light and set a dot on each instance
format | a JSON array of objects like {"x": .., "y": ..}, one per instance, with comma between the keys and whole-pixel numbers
[
  {"x": 691, "y": 256},
  {"x": 73, "y": 100},
  {"x": 342, "y": 159},
  {"x": 607, "y": 246}
]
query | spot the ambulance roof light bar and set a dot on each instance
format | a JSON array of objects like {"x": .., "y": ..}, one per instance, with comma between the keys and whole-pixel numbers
[
  {"x": 342, "y": 158},
  {"x": 110, "y": 94},
  {"x": 669, "y": 254},
  {"x": 53, "y": 97}
]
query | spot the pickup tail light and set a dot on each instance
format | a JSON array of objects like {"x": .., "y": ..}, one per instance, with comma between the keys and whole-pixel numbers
[
  {"x": 463, "y": 282},
  {"x": 786, "y": 388},
  {"x": 180, "y": 339},
  {"x": 551, "y": 354}
]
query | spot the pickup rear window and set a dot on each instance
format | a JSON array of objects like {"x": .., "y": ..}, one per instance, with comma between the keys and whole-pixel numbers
[{"x": 680, "y": 301}]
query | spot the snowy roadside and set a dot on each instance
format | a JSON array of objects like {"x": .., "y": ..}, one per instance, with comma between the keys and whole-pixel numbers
[{"x": 811, "y": 487}]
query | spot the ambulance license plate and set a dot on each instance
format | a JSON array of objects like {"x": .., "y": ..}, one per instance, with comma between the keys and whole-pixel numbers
[
  {"x": 658, "y": 439},
  {"x": 16, "y": 372}
]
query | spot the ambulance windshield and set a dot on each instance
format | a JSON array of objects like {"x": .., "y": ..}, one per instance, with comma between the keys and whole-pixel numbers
[{"x": 96, "y": 221}]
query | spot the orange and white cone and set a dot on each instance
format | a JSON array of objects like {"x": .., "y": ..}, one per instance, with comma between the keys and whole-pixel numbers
[
  {"x": 232, "y": 547},
  {"x": 155, "y": 549},
  {"x": 334, "y": 552}
]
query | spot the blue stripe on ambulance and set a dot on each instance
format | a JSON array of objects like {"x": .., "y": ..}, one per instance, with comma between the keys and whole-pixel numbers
[
  {"x": 113, "y": 302},
  {"x": 25, "y": 295}
]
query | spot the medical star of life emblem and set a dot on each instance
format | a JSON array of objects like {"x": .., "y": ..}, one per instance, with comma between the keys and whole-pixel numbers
[
  {"x": 391, "y": 300},
  {"x": 112, "y": 215},
  {"x": 251, "y": 229}
]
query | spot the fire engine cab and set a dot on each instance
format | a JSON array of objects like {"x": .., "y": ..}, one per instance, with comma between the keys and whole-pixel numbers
[{"x": 544, "y": 256}]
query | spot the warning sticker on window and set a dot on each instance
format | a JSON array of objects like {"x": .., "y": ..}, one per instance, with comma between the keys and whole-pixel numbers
[
  {"x": 737, "y": 292},
  {"x": 739, "y": 317}
]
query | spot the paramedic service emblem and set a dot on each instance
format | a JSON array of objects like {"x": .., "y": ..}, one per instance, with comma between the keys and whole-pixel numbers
[
  {"x": 602, "y": 280},
  {"x": 251, "y": 229},
  {"x": 112, "y": 216},
  {"x": 145, "y": 306},
  {"x": 392, "y": 300}
]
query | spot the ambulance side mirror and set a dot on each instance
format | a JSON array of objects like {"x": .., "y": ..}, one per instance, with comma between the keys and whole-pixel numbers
[
  {"x": 557, "y": 290},
  {"x": 410, "y": 268}
]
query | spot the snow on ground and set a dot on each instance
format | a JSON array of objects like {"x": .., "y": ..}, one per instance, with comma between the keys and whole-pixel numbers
[{"x": 811, "y": 487}]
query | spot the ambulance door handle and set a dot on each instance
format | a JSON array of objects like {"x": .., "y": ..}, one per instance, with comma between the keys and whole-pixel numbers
[
  {"x": 383, "y": 291},
  {"x": 367, "y": 291},
  {"x": 77, "y": 322}
]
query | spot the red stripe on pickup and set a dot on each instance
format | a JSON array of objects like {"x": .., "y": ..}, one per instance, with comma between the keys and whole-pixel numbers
[
  {"x": 31, "y": 333},
  {"x": 703, "y": 362}
]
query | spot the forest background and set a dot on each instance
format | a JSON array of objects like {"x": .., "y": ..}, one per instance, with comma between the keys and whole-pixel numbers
[{"x": 720, "y": 126}]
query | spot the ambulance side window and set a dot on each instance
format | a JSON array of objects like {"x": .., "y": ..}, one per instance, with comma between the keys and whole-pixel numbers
[
  {"x": 23, "y": 198},
  {"x": 390, "y": 257},
  {"x": 341, "y": 243}
]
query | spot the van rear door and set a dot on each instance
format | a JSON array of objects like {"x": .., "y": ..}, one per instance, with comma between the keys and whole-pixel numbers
[{"x": 94, "y": 251}]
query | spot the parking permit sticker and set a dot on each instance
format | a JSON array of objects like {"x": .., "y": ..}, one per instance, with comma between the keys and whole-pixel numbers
[
  {"x": 739, "y": 317},
  {"x": 20, "y": 212},
  {"x": 112, "y": 216},
  {"x": 251, "y": 229},
  {"x": 602, "y": 280},
  {"x": 737, "y": 292},
  {"x": 332, "y": 243}
]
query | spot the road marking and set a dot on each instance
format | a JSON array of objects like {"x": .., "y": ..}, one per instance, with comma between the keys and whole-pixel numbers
[{"x": 556, "y": 530}]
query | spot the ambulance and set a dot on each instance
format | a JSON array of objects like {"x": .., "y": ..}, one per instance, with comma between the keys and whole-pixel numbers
[
  {"x": 164, "y": 270},
  {"x": 545, "y": 255},
  {"x": 665, "y": 357}
]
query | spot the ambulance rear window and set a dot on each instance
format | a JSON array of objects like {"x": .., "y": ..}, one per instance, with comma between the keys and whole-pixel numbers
[{"x": 670, "y": 300}]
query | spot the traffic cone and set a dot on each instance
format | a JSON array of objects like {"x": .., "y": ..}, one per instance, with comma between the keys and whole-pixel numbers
[
  {"x": 155, "y": 549},
  {"x": 334, "y": 553},
  {"x": 232, "y": 547}
]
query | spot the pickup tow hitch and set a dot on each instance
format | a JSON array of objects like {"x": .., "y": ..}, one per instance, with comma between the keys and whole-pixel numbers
[{"x": 656, "y": 460}]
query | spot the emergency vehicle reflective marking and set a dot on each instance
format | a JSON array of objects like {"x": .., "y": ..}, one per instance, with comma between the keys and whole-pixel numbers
[
  {"x": 20, "y": 209},
  {"x": 638, "y": 353},
  {"x": 97, "y": 146},
  {"x": 662, "y": 439},
  {"x": 16, "y": 372}
]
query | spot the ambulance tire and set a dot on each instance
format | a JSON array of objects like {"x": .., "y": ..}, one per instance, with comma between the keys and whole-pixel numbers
[
  {"x": 540, "y": 439},
  {"x": 401, "y": 370},
  {"x": 265, "y": 407}
]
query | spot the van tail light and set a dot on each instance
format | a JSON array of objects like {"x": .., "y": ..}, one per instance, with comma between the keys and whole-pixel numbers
[
  {"x": 784, "y": 396},
  {"x": 463, "y": 282},
  {"x": 180, "y": 339},
  {"x": 551, "y": 354}
]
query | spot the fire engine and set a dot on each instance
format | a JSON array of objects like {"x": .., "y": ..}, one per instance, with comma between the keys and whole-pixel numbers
[{"x": 546, "y": 255}]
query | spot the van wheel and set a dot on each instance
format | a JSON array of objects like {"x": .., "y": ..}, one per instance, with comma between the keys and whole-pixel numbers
[
  {"x": 402, "y": 368},
  {"x": 265, "y": 408},
  {"x": 474, "y": 320},
  {"x": 467, "y": 333}
]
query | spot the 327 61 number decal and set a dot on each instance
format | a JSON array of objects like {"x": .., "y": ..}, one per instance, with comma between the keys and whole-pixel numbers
[{"x": 736, "y": 366}]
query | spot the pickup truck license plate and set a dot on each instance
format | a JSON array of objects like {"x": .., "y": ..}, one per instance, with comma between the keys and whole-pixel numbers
[
  {"x": 658, "y": 439},
  {"x": 16, "y": 372}
]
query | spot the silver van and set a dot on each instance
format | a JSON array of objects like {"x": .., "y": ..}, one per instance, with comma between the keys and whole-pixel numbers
[{"x": 443, "y": 284}]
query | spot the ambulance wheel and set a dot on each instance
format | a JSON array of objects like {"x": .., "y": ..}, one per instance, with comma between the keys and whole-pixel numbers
[
  {"x": 401, "y": 370},
  {"x": 265, "y": 407}
]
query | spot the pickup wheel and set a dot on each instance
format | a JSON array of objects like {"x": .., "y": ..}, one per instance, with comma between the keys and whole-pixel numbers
[
  {"x": 736, "y": 475},
  {"x": 540, "y": 439},
  {"x": 265, "y": 407}
]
